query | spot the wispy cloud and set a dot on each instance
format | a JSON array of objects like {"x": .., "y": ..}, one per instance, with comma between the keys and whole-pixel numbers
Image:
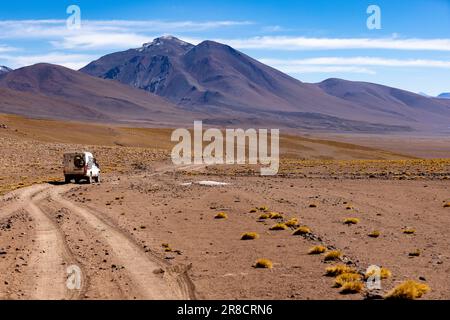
[
  {"x": 302, "y": 69},
  {"x": 4, "y": 48},
  {"x": 51, "y": 29},
  {"x": 361, "y": 61},
  {"x": 350, "y": 64},
  {"x": 304, "y": 43},
  {"x": 104, "y": 34},
  {"x": 72, "y": 61}
]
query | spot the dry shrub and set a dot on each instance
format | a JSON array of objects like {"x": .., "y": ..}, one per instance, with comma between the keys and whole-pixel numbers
[
  {"x": 317, "y": 250},
  {"x": 409, "y": 290},
  {"x": 279, "y": 226},
  {"x": 352, "y": 287},
  {"x": 293, "y": 222},
  {"x": 302, "y": 231},
  {"x": 221, "y": 215},
  {"x": 275, "y": 215},
  {"x": 263, "y": 208},
  {"x": 313, "y": 205},
  {"x": 253, "y": 210},
  {"x": 409, "y": 231},
  {"x": 447, "y": 205},
  {"x": 264, "y": 216},
  {"x": 250, "y": 236},
  {"x": 333, "y": 255},
  {"x": 374, "y": 234},
  {"x": 264, "y": 264},
  {"x": 346, "y": 278},
  {"x": 350, "y": 221},
  {"x": 338, "y": 270}
]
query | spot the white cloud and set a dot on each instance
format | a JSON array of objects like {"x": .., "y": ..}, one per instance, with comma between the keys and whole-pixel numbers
[
  {"x": 103, "y": 34},
  {"x": 350, "y": 64},
  {"x": 72, "y": 61},
  {"x": 303, "y": 43},
  {"x": 7, "y": 48},
  {"x": 302, "y": 69}
]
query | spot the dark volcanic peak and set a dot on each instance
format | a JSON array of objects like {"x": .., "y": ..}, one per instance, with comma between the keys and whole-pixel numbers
[
  {"x": 4, "y": 69},
  {"x": 214, "y": 77}
]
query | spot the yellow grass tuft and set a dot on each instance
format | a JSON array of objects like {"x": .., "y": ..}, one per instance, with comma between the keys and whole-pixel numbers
[
  {"x": 264, "y": 216},
  {"x": 344, "y": 278},
  {"x": 253, "y": 210},
  {"x": 338, "y": 270},
  {"x": 384, "y": 273},
  {"x": 408, "y": 290},
  {"x": 279, "y": 226},
  {"x": 374, "y": 234},
  {"x": 333, "y": 255},
  {"x": 263, "y": 208},
  {"x": 352, "y": 287},
  {"x": 447, "y": 205},
  {"x": 302, "y": 231},
  {"x": 313, "y": 205},
  {"x": 409, "y": 231},
  {"x": 350, "y": 221},
  {"x": 275, "y": 215},
  {"x": 250, "y": 236},
  {"x": 317, "y": 250},
  {"x": 348, "y": 208},
  {"x": 221, "y": 215},
  {"x": 264, "y": 264},
  {"x": 293, "y": 222}
]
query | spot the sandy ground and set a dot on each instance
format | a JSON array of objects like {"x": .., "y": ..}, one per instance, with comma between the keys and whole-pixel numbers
[
  {"x": 115, "y": 232},
  {"x": 148, "y": 231}
]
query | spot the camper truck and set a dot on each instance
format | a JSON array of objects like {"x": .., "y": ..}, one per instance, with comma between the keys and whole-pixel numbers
[{"x": 80, "y": 166}]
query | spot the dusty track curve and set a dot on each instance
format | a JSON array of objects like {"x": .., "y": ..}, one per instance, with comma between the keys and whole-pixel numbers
[
  {"x": 47, "y": 274},
  {"x": 141, "y": 268}
]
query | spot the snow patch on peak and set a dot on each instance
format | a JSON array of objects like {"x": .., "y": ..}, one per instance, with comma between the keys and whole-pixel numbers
[{"x": 162, "y": 40}]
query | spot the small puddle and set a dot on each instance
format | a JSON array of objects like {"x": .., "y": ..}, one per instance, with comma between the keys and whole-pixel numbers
[{"x": 205, "y": 183}]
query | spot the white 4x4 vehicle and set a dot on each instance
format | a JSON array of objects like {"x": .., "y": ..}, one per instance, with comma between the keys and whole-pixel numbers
[{"x": 81, "y": 166}]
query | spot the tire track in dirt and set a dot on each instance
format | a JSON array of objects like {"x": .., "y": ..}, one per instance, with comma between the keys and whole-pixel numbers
[
  {"x": 143, "y": 270},
  {"x": 16, "y": 200},
  {"x": 46, "y": 276}
]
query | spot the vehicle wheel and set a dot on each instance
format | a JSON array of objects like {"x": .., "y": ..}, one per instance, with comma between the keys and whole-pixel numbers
[
  {"x": 77, "y": 180},
  {"x": 97, "y": 179},
  {"x": 89, "y": 180},
  {"x": 67, "y": 179}
]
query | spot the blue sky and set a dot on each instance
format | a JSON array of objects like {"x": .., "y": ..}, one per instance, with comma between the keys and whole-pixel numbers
[{"x": 311, "y": 40}]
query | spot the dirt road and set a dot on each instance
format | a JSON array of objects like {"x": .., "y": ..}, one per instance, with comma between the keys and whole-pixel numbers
[
  {"x": 153, "y": 235},
  {"x": 51, "y": 268}
]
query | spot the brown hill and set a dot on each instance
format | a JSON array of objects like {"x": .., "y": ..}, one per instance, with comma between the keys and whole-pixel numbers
[{"x": 51, "y": 91}]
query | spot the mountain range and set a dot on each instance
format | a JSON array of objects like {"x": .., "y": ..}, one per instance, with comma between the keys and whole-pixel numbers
[
  {"x": 4, "y": 69},
  {"x": 169, "y": 81}
]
